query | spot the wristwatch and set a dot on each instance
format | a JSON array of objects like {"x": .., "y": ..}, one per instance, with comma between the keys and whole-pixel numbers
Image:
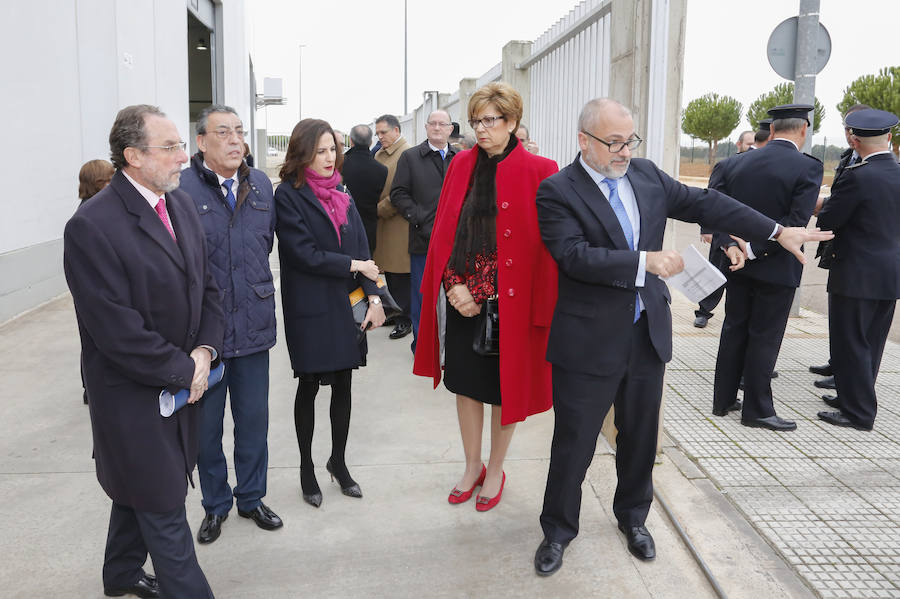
[{"x": 375, "y": 300}]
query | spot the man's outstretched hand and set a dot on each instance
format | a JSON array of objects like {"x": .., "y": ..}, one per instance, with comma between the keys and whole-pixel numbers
[{"x": 792, "y": 238}]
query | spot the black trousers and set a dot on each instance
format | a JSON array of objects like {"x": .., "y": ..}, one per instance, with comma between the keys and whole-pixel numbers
[
  {"x": 399, "y": 284},
  {"x": 858, "y": 329},
  {"x": 167, "y": 538},
  {"x": 756, "y": 314},
  {"x": 580, "y": 403},
  {"x": 709, "y": 303}
]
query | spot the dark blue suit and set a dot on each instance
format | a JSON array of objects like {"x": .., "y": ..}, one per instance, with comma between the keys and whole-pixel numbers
[
  {"x": 599, "y": 356},
  {"x": 782, "y": 183},
  {"x": 863, "y": 279}
]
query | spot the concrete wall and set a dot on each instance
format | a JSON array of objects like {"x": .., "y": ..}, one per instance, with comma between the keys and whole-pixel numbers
[{"x": 70, "y": 66}]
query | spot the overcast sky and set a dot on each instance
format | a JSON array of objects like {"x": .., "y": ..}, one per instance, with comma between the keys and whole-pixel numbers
[{"x": 352, "y": 69}]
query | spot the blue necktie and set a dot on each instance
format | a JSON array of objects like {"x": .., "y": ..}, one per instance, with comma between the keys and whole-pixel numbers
[
  {"x": 442, "y": 154},
  {"x": 619, "y": 208},
  {"x": 229, "y": 196}
]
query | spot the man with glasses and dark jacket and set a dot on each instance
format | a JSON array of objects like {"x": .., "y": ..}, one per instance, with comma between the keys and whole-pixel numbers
[
  {"x": 415, "y": 192},
  {"x": 237, "y": 210}
]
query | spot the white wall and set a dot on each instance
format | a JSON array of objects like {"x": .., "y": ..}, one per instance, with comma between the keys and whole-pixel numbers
[{"x": 68, "y": 68}]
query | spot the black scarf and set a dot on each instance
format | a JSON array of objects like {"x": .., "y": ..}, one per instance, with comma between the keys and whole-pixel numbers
[{"x": 476, "y": 232}]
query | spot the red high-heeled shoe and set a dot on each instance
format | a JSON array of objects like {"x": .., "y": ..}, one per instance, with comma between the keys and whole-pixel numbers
[
  {"x": 457, "y": 496},
  {"x": 483, "y": 504}
]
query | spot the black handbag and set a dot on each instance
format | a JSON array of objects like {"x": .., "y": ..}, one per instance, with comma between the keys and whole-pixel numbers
[{"x": 487, "y": 331}]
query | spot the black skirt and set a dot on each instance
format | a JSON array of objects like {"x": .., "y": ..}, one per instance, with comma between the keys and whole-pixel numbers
[{"x": 466, "y": 372}]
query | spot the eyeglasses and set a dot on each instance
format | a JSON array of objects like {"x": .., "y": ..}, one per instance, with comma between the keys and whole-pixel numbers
[
  {"x": 227, "y": 133},
  {"x": 174, "y": 148},
  {"x": 617, "y": 146},
  {"x": 488, "y": 121},
  {"x": 438, "y": 124}
]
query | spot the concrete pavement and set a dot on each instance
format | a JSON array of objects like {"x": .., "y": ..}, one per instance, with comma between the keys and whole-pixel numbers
[{"x": 401, "y": 540}]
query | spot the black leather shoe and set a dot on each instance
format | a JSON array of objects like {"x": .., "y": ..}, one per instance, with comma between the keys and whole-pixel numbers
[
  {"x": 824, "y": 370},
  {"x": 548, "y": 557},
  {"x": 775, "y": 423},
  {"x": 826, "y": 383},
  {"x": 735, "y": 407},
  {"x": 146, "y": 586},
  {"x": 832, "y": 401},
  {"x": 838, "y": 419},
  {"x": 210, "y": 528},
  {"x": 774, "y": 374},
  {"x": 701, "y": 321},
  {"x": 401, "y": 330},
  {"x": 640, "y": 543},
  {"x": 263, "y": 516}
]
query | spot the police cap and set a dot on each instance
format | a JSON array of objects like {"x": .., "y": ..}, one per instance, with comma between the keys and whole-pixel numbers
[
  {"x": 870, "y": 122},
  {"x": 791, "y": 111}
]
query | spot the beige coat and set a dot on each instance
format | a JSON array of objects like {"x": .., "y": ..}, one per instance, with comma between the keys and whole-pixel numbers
[{"x": 392, "y": 238}]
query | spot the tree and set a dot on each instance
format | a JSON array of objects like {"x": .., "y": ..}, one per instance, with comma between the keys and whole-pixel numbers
[
  {"x": 782, "y": 94},
  {"x": 880, "y": 91},
  {"x": 711, "y": 118}
]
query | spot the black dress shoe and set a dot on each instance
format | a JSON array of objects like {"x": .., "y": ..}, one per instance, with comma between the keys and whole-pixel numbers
[
  {"x": 822, "y": 370},
  {"x": 701, "y": 321},
  {"x": 146, "y": 586},
  {"x": 826, "y": 383},
  {"x": 401, "y": 330},
  {"x": 349, "y": 487},
  {"x": 735, "y": 407},
  {"x": 839, "y": 419},
  {"x": 640, "y": 543},
  {"x": 548, "y": 557},
  {"x": 263, "y": 516},
  {"x": 774, "y": 374},
  {"x": 210, "y": 528},
  {"x": 775, "y": 423},
  {"x": 832, "y": 401}
]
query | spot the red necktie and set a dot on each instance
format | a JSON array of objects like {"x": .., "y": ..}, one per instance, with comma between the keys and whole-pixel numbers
[{"x": 161, "y": 211}]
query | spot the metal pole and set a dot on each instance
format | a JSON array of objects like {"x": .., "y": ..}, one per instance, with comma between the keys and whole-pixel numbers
[
  {"x": 805, "y": 62},
  {"x": 300, "y": 90},
  {"x": 405, "y": 65}
]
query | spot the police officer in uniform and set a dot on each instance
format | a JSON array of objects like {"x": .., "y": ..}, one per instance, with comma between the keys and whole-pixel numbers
[
  {"x": 824, "y": 250},
  {"x": 758, "y": 299},
  {"x": 864, "y": 277}
]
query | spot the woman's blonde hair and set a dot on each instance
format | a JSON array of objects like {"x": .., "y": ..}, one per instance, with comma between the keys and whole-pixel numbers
[{"x": 502, "y": 95}]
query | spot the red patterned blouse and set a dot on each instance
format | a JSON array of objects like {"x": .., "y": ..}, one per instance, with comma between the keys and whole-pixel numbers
[{"x": 481, "y": 283}]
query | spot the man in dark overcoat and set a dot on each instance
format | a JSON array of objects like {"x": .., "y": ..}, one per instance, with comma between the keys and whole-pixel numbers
[
  {"x": 783, "y": 183},
  {"x": 864, "y": 277},
  {"x": 415, "y": 192},
  {"x": 364, "y": 177},
  {"x": 150, "y": 318}
]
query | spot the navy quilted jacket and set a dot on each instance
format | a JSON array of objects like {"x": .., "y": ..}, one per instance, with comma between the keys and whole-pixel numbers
[{"x": 239, "y": 245}]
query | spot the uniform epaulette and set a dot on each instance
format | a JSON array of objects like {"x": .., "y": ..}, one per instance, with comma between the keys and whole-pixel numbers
[
  {"x": 813, "y": 157},
  {"x": 853, "y": 166}
]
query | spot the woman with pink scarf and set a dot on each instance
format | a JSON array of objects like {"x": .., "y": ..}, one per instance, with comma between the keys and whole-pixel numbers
[{"x": 324, "y": 256}]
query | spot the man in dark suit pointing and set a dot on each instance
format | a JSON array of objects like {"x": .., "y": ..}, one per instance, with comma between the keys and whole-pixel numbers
[
  {"x": 150, "y": 317},
  {"x": 603, "y": 219}
]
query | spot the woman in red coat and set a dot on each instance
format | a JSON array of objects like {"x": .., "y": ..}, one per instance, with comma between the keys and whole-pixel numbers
[{"x": 486, "y": 242}]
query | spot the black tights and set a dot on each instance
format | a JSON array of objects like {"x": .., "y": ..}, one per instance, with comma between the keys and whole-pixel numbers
[{"x": 305, "y": 423}]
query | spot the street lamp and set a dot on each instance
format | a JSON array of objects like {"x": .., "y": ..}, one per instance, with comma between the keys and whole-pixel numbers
[{"x": 300, "y": 82}]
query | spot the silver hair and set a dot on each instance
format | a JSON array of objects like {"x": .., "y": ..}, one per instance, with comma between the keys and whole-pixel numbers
[
  {"x": 361, "y": 135},
  {"x": 203, "y": 117},
  {"x": 593, "y": 108},
  {"x": 779, "y": 125}
]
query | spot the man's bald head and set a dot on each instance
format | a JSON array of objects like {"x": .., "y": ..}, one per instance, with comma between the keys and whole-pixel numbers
[{"x": 598, "y": 109}]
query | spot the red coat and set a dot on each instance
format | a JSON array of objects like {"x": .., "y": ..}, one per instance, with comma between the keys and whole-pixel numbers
[{"x": 526, "y": 280}]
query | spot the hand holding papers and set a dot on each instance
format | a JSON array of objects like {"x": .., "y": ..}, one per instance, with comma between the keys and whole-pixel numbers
[
  {"x": 699, "y": 277},
  {"x": 169, "y": 403}
]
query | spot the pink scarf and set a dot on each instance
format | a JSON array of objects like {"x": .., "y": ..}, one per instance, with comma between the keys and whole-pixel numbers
[{"x": 333, "y": 201}]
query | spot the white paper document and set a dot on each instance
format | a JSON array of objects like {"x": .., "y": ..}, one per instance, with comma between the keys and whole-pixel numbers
[{"x": 699, "y": 277}]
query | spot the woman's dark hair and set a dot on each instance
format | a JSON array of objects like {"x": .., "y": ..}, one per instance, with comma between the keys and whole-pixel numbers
[
  {"x": 301, "y": 150},
  {"x": 94, "y": 176}
]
